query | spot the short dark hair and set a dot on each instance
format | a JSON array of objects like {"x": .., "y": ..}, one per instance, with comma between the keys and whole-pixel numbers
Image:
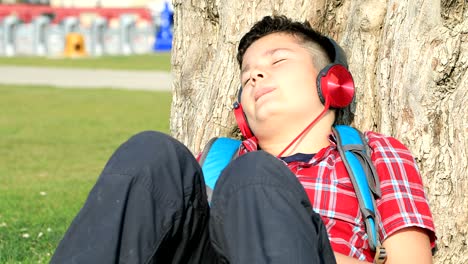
[
  {"x": 306, "y": 34},
  {"x": 282, "y": 24}
]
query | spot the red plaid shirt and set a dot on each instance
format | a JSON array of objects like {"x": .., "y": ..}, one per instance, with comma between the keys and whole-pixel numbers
[{"x": 329, "y": 188}]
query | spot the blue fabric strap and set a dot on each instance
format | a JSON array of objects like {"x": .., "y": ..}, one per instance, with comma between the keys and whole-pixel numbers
[
  {"x": 215, "y": 157},
  {"x": 352, "y": 149}
]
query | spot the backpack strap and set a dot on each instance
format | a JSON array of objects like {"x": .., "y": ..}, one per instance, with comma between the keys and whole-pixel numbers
[
  {"x": 216, "y": 155},
  {"x": 355, "y": 155}
]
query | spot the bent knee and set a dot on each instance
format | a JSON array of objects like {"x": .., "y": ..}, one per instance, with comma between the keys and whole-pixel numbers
[
  {"x": 150, "y": 137},
  {"x": 257, "y": 168},
  {"x": 253, "y": 158},
  {"x": 250, "y": 168},
  {"x": 255, "y": 163},
  {"x": 147, "y": 149}
]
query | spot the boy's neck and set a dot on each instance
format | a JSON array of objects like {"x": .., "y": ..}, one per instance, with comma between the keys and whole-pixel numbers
[{"x": 311, "y": 142}]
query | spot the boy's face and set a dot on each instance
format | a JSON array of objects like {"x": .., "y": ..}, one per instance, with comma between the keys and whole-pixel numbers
[{"x": 279, "y": 84}]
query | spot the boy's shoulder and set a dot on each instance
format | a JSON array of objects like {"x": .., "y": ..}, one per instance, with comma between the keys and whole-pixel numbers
[
  {"x": 392, "y": 158},
  {"x": 378, "y": 141},
  {"x": 388, "y": 149}
]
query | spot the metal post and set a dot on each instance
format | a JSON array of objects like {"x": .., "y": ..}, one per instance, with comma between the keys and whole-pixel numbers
[
  {"x": 127, "y": 27},
  {"x": 70, "y": 25},
  {"x": 40, "y": 24},
  {"x": 9, "y": 25},
  {"x": 98, "y": 28}
]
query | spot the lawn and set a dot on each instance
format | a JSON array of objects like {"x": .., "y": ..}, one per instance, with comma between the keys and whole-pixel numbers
[
  {"x": 53, "y": 144},
  {"x": 155, "y": 61}
]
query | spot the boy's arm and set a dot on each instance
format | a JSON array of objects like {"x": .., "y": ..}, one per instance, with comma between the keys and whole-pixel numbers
[{"x": 409, "y": 245}]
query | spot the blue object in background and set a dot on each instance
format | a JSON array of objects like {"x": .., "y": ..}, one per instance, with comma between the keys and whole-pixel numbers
[{"x": 163, "y": 41}]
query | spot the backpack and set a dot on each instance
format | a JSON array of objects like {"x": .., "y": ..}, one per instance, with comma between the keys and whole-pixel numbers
[{"x": 355, "y": 154}]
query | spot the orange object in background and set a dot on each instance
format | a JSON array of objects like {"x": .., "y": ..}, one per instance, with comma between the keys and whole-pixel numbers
[{"x": 74, "y": 46}]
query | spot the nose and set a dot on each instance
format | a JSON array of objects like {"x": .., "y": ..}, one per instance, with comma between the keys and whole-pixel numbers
[{"x": 257, "y": 75}]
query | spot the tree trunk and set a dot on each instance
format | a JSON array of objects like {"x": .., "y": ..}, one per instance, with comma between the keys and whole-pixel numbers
[{"x": 409, "y": 59}]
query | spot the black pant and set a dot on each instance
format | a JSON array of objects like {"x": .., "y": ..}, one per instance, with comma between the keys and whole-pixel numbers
[{"x": 149, "y": 205}]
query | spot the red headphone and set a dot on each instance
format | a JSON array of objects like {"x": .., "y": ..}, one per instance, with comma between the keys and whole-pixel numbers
[{"x": 334, "y": 83}]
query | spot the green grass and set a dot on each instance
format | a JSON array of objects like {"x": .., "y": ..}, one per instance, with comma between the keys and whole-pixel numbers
[
  {"x": 156, "y": 61},
  {"x": 53, "y": 145}
]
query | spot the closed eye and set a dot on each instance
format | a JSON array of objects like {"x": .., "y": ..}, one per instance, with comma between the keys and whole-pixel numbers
[{"x": 278, "y": 61}]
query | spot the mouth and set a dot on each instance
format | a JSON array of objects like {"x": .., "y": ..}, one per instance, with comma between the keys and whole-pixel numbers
[{"x": 262, "y": 91}]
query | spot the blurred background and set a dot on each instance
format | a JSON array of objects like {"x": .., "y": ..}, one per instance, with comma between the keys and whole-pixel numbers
[
  {"x": 79, "y": 28},
  {"x": 54, "y": 141}
]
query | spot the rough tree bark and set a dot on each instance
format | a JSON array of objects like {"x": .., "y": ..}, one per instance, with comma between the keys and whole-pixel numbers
[{"x": 409, "y": 59}]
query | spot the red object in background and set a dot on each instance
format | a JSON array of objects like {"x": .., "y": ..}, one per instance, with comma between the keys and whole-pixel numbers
[{"x": 26, "y": 13}]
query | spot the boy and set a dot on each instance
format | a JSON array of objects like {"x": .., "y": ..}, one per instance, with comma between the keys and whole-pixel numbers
[{"x": 287, "y": 198}]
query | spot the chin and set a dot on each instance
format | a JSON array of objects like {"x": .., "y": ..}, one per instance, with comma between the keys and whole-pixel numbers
[
  {"x": 264, "y": 116},
  {"x": 267, "y": 110}
]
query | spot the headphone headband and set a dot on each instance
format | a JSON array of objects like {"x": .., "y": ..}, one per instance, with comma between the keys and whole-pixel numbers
[{"x": 334, "y": 51}]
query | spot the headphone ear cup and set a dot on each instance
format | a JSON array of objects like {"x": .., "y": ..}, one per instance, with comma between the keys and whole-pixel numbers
[
  {"x": 336, "y": 84},
  {"x": 242, "y": 121}
]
